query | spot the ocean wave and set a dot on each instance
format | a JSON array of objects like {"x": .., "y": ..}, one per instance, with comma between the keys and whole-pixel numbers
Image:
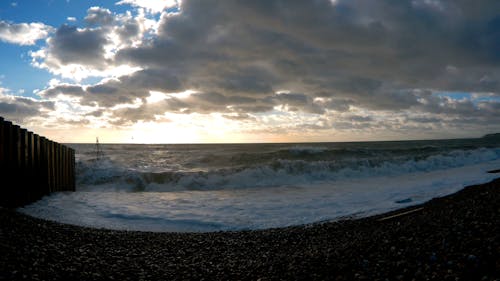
[
  {"x": 276, "y": 171},
  {"x": 300, "y": 150}
]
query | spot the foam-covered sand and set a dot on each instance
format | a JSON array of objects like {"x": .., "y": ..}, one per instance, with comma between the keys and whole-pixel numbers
[{"x": 456, "y": 237}]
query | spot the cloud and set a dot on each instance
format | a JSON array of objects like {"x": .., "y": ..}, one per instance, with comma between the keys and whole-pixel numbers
[
  {"x": 99, "y": 16},
  {"x": 111, "y": 92},
  {"x": 298, "y": 102},
  {"x": 74, "y": 53},
  {"x": 334, "y": 65},
  {"x": 80, "y": 52},
  {"x": 366, "y": 53},
  {"x": 23, "y": 33},
  {"x": 19, "y": 109},
  {"x": 153, "y": 6},
  {"x": 82, "y": 46}
]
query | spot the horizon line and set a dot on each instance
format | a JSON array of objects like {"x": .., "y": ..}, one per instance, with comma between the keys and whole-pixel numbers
[{"x": 291, "y": 142}]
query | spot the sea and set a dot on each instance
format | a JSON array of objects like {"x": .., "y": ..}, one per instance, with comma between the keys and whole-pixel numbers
[{"x": 229, "y": 187}]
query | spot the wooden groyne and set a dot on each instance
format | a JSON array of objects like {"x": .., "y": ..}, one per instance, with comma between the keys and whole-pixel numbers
[{"x": 32, "y": 166}]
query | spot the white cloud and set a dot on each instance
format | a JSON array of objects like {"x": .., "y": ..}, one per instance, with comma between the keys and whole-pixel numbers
[
  {"x": 24, "y": 33},
  {"x": 4, "y": 91},
  {"x": 79, "y": 52},
  {"x": 154, "y": 6},
  {"x": 73, "y": 19},
  {"x": 98, "y": 15},
  {"x": 76, "y": 71}
]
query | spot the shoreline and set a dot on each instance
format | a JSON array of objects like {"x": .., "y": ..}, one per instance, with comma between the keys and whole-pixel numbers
[{"x": 455, "y": 236}]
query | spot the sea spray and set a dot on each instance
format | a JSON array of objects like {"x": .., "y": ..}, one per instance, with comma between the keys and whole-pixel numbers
[{"x": 279, "y": 168}]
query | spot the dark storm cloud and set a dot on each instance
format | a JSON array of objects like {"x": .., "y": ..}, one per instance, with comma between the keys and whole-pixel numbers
[
  {"x": 124, "y": 90},
  {"x": 340, "y": 105},
  {"x": 239, "y": 117},
  {"x": 18, "y": 108},
  {"x": 77, "y": 52},
  {"x": 83, "y": 46},
  {"x": 153, "y": 79},
  {"x": 128, "y": 30},
  {"x": 197, "y": 102},
  {"x": 63, "y": 89},
  {"x": 298, "y": 102},
  {"x": 351, "y": 49},
  {"x": 387, "y": 56}
]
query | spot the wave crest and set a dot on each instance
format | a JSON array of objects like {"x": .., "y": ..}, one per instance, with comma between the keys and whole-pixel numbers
[{"x": 274, "y": 172}]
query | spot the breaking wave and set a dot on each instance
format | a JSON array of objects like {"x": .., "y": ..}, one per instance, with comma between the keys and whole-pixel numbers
[{"x": 277, "y": 168}]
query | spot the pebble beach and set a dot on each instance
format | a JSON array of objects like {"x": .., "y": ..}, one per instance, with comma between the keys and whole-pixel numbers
[{"x": 456, "y": 237}]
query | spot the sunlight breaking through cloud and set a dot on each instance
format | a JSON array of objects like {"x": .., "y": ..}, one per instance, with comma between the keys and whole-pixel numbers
[{"x": 319, "y": 69}]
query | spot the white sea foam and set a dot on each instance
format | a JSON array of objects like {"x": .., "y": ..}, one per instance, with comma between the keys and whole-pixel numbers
[
  {"x": 263, "y": 206},
  {"x": 108, "y": 175}
]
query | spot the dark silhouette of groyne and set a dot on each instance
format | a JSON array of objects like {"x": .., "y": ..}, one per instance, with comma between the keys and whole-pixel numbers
[{"x": 32, "y": 166}]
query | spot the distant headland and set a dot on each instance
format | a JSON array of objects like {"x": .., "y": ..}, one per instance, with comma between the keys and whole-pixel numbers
[{"x": 492, "y": 136}]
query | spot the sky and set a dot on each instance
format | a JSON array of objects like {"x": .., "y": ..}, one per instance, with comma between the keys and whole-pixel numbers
[{"x": 172, "y": 71}]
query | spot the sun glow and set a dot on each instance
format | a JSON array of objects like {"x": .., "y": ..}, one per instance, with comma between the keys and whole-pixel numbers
[{"x": 181, "y": 128}]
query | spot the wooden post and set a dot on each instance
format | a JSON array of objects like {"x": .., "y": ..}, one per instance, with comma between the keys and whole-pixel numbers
[
  {"x": 38, "y": 187},
  {"x": 73, "y": 179},
  {"x": 59, "y": 166},
  {"x": 47, "y": 164},
  {"x": 16, "y": 132},
  {"x": 8, "y": 146},
  {"x": 30, "y": 150},
  {"x": 31, "y": 180},
  {"x": 36, "y": 151},
  {"x": 23, "y": 148},
  {"x": 63, "y": 166},
  {"x": 16, "y": 163},
  {"x": 66, "y": 168},
  {"x": 56, "y": 166},
  {"x": 3, "y": 162},
  {"x": 22, "y": 181},
  {"x": 2, "y": 155},
  {"x": 51, "y": 166},
  {"x": 44, "y": 166}
]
